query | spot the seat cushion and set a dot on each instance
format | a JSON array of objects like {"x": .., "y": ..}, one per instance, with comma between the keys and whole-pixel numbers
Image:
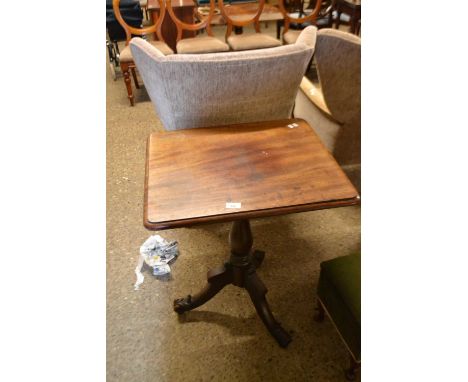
[
  {"x": 339, "y": 291},
  {"x": 205, "y": 44},
  {"x": 315, "y": 95},
  {"x": 252, "y": 41},
  {"x": 291, "y": 36},
  {"x": 126, "y": 54}
]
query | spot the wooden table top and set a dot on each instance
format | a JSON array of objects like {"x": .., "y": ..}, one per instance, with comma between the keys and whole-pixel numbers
[{"x": 243, "y": 171}]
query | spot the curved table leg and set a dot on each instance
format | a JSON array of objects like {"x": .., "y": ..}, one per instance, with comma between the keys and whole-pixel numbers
[
  {"x": 257, "y": 292},
  {"x": 217, "y": 279}
]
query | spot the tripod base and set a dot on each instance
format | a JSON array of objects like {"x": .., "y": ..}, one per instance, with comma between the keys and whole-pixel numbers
[{"x": 239, "y": 271}]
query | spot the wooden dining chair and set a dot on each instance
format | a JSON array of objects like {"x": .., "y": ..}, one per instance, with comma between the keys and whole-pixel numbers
[
  {"x": 352, "y": 8},
  {"x": 256, "y": 40},
  {"x": 126, "y": 59},
  {"x": 290, "y": 35},
  {"x": 195, "y": 45}
]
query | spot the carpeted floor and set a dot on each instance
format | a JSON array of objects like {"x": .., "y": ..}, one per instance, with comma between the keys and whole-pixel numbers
[{"x": 224, "y": 340}]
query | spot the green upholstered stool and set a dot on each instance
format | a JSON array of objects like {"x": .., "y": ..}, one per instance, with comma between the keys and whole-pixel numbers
[{"x": 339, "y": 295}]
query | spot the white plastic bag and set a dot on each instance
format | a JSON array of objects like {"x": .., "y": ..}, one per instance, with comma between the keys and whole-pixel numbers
[{"x": 157, "y": 253}]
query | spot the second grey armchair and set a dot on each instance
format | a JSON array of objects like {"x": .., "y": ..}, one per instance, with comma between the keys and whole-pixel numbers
[{"x": 334, "y": 109}]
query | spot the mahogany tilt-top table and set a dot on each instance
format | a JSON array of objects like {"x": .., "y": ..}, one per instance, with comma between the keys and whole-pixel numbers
[{"x": 235, "y": 173}]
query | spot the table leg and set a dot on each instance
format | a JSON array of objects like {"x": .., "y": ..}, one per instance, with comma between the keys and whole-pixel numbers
[
  {"x": 239, "y": 271},
  {"x": 257, "y": 292},
  {"x": 217, "y": 279}
]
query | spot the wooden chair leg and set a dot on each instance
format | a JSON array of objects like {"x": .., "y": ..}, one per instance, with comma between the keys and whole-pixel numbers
[
  {"x": 352, "y": 24},
  {"x": 128, "y": 82},
  {"x": 320, "y": 315},
  {"x": 350, "y": 373},
  {"x": 135, "y": 79},
  {"x": 338, "y": 20},
  {"x": 279, "y": 24}
]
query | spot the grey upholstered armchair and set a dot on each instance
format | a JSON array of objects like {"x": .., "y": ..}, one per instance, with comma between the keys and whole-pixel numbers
[
  {"x": 199, "y": 90},
  {"x": 334, "y": 109}
]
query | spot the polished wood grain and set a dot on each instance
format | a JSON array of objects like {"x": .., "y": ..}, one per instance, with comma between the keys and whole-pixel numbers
[{"x": 269, "y": 168}]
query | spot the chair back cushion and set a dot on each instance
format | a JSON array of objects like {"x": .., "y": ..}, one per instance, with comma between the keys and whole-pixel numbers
[{"x": 199, "y": 90}]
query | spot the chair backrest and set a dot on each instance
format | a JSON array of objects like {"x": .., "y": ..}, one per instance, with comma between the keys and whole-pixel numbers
[
  {"x": 181, "y": 26},
  {"x": 130, "y": 10},
  {"x": 242, "y": 16},
  {"x": 299, "y": 20},
  {"x": 198, "y": 90},
  {"x": 338, "y": 58},
  {"x": 129, "y": 30}
]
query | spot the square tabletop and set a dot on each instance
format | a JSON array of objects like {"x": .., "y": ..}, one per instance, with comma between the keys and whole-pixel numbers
[{"x": 244, "y": 171}]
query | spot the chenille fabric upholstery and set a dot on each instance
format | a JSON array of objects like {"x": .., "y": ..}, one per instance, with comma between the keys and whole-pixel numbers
[
  {"x": 126, "y": 54},
  {"x": 205, "y": 44},
  {"x": 338, "y": 57},
  {"x": 211, "y": 89},
  {"x": 252, "y": 41}
]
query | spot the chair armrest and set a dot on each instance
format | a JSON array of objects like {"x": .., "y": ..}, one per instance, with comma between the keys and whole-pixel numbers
[{"x": 308, "y": 36}]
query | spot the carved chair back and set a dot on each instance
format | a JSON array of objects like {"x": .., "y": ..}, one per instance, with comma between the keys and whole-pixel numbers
[
  {"x": 238, "y": 21},
  {"x": 131, "y": 31},
  {"x": 205, "y": 23},
  {"x": 288, "y": 19}
]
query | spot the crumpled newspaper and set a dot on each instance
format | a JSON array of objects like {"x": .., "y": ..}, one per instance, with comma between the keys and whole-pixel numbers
[{"x": 157, "y": 253}]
